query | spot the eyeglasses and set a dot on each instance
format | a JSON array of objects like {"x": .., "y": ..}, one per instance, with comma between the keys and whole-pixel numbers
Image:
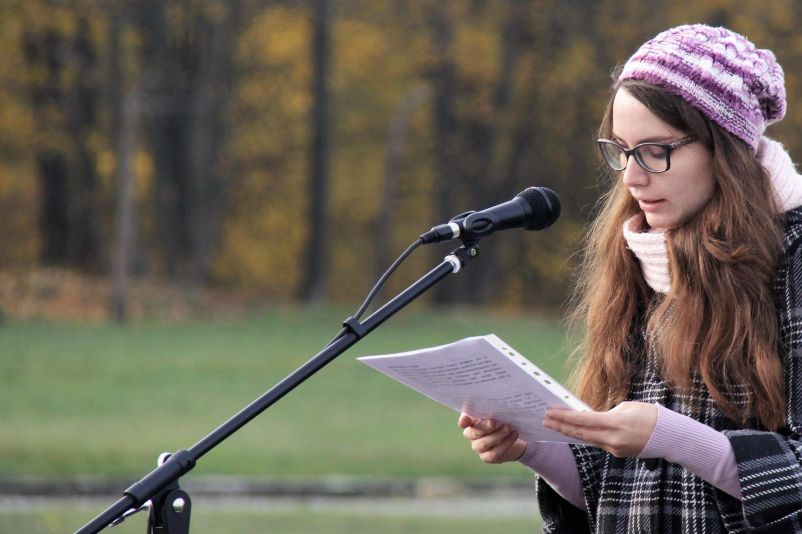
[{"x": 653, "y": 157}]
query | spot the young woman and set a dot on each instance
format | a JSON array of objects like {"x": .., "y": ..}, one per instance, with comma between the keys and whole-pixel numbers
[{"x": 691, "y": 299}]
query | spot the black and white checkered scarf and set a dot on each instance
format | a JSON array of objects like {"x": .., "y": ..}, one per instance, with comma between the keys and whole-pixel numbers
[{"x": 631, "y": 495}]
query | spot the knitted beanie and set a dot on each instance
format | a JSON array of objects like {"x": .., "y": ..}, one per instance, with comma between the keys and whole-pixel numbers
[{"x": 721, "y": 73}]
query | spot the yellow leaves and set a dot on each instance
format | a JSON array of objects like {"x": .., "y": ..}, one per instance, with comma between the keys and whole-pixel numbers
[
  {"x": 261, "y": 244},
  {"x": 381, "y": 50},
  {"x": 54, "y": 294},
  {"x": 214, "y": 10},
  {"x": 359, "y": 46},
  {"x": 793, "y": 46},
  {"x": 143, "y": 173},
  {"x": 278, "y": 36},
  {"x": 16, "y": 124},
  {"x": 18, "y": 192},
  {"x": 106, "y": 166},
  {"x": 142, "y": 170},
  {"x": 40, "y": 16},
  {"x": 355, "y": 188},
  {"x": 60, "y": 294},
  {"x": 573, "y": 66},
  {"x": 780, "y": 16},
  {"x": 476, "y": 50},
  {"x": 273, "y": 99}
]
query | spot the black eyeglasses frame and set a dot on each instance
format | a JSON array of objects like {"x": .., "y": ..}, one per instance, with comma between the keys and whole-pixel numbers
[{"x": 635, "y": 151}]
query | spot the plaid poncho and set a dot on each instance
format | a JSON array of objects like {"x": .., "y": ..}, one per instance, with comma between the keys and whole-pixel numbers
[{"x": 631, "y": 495}]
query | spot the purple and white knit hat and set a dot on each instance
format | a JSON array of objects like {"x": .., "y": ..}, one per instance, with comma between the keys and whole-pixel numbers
[{"x": 720, "y": 72}]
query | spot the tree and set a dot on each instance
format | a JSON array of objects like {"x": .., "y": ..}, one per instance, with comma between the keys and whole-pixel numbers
[
  {"x": 444, "y": 121},
  {"x": 388, "y": 203},
  {"x": 313, "y": 287},
  {"x": 65, "y": 105}
]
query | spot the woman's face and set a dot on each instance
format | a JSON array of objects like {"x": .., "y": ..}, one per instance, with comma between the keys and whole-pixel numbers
[{"x": 668, "y": 199}]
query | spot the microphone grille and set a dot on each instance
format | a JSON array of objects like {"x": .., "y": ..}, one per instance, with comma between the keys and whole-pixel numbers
[{"x": 545, "y": 206}]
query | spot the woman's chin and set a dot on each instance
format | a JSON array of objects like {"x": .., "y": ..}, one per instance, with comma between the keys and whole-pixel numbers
[{"x": 658, "y": 222}]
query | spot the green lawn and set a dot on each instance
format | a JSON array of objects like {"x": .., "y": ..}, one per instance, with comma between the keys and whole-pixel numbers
[
  {"x": 105, "y": 400},
  {"x": 60, "y": 520}
]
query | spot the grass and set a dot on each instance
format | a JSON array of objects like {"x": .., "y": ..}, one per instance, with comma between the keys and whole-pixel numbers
[
  {"x": 105, "y": 400},
  {"x": 59, "y": 520}
]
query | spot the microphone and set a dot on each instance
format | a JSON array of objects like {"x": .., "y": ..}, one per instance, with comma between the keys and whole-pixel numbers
[{"x": 534, "y": 208}]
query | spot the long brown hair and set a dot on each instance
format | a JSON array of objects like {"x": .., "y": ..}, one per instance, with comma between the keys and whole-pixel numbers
[{"x": 719, "y": 320}]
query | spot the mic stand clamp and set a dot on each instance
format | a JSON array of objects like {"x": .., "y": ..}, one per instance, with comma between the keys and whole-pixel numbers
[
  {"x": 170, "y": 512},
  {"x": 171, "y": 509},
  {"x": 461, "y": 256}
]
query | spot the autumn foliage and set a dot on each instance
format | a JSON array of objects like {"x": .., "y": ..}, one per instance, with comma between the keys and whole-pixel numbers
[{"x": 184, "y": 131}]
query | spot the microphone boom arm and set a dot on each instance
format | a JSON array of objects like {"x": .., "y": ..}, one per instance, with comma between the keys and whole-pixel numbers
[{"x": 163, "y": 481}]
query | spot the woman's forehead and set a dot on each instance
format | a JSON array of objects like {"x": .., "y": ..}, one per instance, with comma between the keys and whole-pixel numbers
[{"x": 634, "y": 123}]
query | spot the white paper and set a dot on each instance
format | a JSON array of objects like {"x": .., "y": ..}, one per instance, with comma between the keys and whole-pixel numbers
[{"x": 486, "y": 379}]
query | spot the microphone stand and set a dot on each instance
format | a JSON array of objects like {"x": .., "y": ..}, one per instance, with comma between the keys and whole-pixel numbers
[{"x": 170, "y": 505}]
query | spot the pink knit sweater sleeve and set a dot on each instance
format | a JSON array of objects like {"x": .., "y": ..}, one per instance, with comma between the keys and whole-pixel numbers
[
  {"x": 702, "y": 450},
  {"x": 555, "y": 464}
]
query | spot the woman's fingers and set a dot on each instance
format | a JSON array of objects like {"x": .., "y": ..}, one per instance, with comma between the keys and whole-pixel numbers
[
  {"x": 494, "y": 443},
  {"x": 579, "y": 418},
  {"x": 480, "y": 428},
  {"x": 501, "y": 451},
  {"x": 465, "y": 421},
  {"x": 493, "y": 439},
  {"x": 594, "y": 436},
  {"x": 592, "y": 427},
  {"x": 622, "y": 431}
]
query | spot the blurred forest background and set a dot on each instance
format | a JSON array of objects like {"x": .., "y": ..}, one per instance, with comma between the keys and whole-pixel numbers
[
  {"x": 165, "y": 159},
  {"x": 289, "y": 150}
]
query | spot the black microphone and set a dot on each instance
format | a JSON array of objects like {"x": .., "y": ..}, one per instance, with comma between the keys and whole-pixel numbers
[{"x": 534, "y": 208}]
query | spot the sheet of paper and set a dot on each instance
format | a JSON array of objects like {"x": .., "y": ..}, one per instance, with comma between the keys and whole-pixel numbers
[{"x": 485, "y": 378}]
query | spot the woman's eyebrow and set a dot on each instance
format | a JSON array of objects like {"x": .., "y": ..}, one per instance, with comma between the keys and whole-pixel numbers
[{"x": 653, "y": 139}]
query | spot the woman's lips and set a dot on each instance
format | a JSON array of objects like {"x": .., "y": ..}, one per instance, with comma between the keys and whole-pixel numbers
[{"x": 650, "y": 205}]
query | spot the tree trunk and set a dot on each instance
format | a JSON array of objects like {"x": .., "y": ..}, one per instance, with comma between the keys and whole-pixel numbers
[
  {"x": 44, "y": 55},
  {"x": 215, "y": 57},
  {"x": 69, "y": 210},
  {"x": 125, "y": 227},
  {"x": 445, "y": 126},
  {"x": 396, "y": 137},
  {"x": 313, "y": 287},
  {"x": 54, "y": 221},
  {"x": 81, "y": 111},
  {"x": 167, "y": 64},
  {"x": 503, "y": 148}
]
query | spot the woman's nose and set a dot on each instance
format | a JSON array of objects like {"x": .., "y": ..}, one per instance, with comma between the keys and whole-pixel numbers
[{"x": 634, "y": 174}]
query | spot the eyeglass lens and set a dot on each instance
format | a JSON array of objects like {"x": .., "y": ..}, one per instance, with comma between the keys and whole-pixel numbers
[{"x": 653, "y": 158}]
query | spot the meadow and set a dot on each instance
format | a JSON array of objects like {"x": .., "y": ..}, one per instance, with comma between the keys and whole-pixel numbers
[
  {"x": 105, "y": 400},
  {"x": 67, "y": 519},
  {"x": 101, "y": 400}
]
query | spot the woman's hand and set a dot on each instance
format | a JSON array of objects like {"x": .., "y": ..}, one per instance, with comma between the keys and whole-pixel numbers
[
  {"x": 495, "y": 444},
  {"x": 622, "y": 431}
]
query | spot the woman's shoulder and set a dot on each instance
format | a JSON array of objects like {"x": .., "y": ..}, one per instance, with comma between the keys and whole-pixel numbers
[
  {"x": 793, "y": 222},
  {"x": 792, "y": 236},
  {"x": 794, "y": 215}
]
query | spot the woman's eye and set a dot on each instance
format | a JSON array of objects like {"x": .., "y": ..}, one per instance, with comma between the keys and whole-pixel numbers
[{"x": 656, "y": 152}]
